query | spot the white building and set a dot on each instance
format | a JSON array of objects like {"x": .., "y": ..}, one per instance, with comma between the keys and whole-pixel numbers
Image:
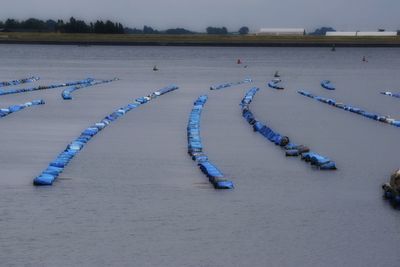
[
  {"x": 281, "y": 31},
  {"x": 377, "y": 33},
  {"x": 341, "y": 33},
  {"x": 383, "y": 33}
]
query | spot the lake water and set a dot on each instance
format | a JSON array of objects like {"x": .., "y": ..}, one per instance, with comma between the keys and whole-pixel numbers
[{"x": 133, "y": 197}]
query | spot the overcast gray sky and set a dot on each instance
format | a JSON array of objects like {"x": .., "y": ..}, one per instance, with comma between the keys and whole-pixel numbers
[{"x": 197, "y": 15}]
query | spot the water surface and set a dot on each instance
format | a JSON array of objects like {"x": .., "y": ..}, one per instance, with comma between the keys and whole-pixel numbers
[{"x": 133, "y": 197}]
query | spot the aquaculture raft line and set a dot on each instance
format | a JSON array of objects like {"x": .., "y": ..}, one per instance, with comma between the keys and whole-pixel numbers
[
  {"x": 396, "y": 95},
  {"x": 19, "y": 81},
  {"x": 15, "y": 108},
  {"x": 195, "y": 148},
  {"x": 43, "y": 87},
  {"x": 327, "y": 85},
  {"x": 226, "y": 85},
  {"x": 291, "y": 149},
  {"x": 359, "y": 111},
  {"x": 66, "y": 94},
  {"x": 274, "y": 84},
  {"x": 56, "y": 167}
]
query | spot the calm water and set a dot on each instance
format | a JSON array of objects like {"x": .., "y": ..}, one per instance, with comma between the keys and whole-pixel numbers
[{"x": 133, "y": 197}]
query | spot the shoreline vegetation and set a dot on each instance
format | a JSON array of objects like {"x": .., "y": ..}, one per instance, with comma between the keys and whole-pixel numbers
[{"x": 249, "y": 40}]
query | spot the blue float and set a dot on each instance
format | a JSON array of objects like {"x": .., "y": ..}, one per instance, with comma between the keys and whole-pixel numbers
[
  {"x": 56, "y": 167},
  {"x": 195, "y": 148}
]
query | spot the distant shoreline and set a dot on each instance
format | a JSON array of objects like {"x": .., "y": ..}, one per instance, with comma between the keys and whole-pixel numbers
[{"x": 195, "y": 40}]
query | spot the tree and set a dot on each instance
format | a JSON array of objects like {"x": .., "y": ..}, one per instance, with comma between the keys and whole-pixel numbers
[
  {"x": 244, "y": 30},
  {"x": 51, "y": 25},
  {"x": 11, "y": 24},
  {"x": 149, "y": 30},
  {"x": 33, "y": 24},
  {"x": 323, "y": 31},
  {"x": 178, "y": 31},
  {"x": 216, "y": 30}
]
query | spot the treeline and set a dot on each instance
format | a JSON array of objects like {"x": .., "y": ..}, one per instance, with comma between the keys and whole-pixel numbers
[
  {"x": 109, "y": 27},
  {"x": 71, "y": 26},
  {"x": 150, "y": 30}
]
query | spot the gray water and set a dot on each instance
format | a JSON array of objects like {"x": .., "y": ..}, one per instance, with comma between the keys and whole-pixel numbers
[{"x": 133, "y": 197}]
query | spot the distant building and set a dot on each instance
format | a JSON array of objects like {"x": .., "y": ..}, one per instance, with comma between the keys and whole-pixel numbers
[
  {"x": 282, "y": 31},
  {"x": 341, "y": 34},
  {"x": 359, "y": 33},
  {"x": 376, "y": 33}
]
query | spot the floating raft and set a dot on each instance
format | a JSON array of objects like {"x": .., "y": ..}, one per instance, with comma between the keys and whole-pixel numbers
[
  {"x": 56, "y": 167},
  {"x": 274, "y": 84},
  {"x": 195, "y": 148},
  {"x": 226, "y": 85},
  {"x": 327, "y": 85},
  {"x": 20, "y": 81},
  {"x": 291, "y": 149},
  {"x": 396, "y": 95},
  {"x": 15, "y": 108},
  {"x": 66, "y": 94},
  {"x": 44, "y": 87},
  {"x": 359, "y": 111}
]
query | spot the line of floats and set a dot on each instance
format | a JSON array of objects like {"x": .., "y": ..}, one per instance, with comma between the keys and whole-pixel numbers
[
  {"x": 15, "y": 108},
  {"x": 327, "y": 85},
  {"x": 274, "y": 84},
  {"x": 19, "y": 81},
  {"x": 195, "y": 148},
  {"x": 226, "y": 85},
  {"x": 66, "y": 94},
  {"x": 356, "y": 110},
  {"x": 291, "y": 149},
  {"x": 44, "y": 87},
  {"x": 56, "y": 167},
  {"x": 396, "y": 95}
]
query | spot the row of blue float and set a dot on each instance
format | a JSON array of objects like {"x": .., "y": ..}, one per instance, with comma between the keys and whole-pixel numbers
[
  {"x": 397, "y": 95},
  {"x": 291, "y": 149},
  {"x": 66, "y": 94},
  {"x": 19, "y": 81},
  {"x": 56, "y": 167},
  {"x": 274, "y": 84},
  {"x": 359, "y": 111},
  {"x": 15, "y": 108},
  {"x": 327, "y": 85},
  {"x": 195, "y": 148},
  {"x": 226, "y": 85},
  {"x": 44, "y": 87}
]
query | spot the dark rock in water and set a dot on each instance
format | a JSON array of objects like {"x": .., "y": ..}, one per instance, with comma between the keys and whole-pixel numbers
[{"x": 284, "y": 141}]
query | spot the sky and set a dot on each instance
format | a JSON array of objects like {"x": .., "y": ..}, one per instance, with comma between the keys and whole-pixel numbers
[{"x": 346, "y": 15}]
